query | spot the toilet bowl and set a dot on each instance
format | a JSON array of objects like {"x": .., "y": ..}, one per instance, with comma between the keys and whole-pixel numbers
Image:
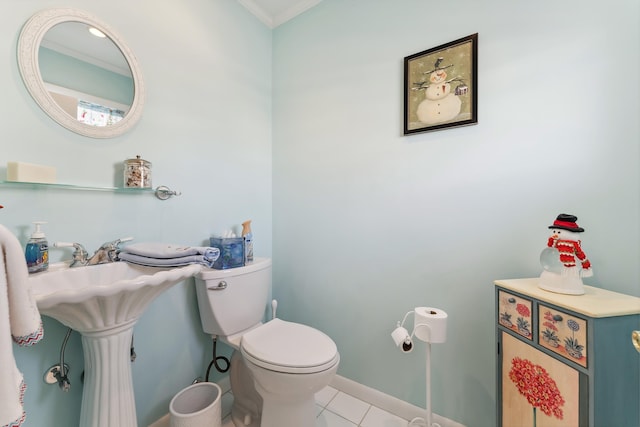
[
  {"x": 277, "y": 366},
  {"x": 289, "y": 363}
]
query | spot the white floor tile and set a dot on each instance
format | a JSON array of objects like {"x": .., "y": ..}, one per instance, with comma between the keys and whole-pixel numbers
[
  {"x": 376, "y": 417},
  {"x": 342, "y": 410},
  {"x": 329, "y": 419},
  {"x": 324, "y": 396},
  {"x": 348, "y": 407}
]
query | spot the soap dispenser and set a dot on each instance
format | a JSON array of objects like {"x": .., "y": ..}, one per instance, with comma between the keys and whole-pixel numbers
[{"x": 37, "y": 250}]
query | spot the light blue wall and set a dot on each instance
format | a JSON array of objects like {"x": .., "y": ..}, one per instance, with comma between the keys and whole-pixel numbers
[
  {"x": 369, "y": 224},
  {"x": 206, "y": 128}
]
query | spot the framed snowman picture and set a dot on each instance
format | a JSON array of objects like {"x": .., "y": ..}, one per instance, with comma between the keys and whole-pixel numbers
[{"x": 441, "y": 86}]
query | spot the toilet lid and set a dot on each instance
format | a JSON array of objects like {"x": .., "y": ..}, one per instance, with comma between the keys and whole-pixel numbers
[{"x": 284, "y": 346}]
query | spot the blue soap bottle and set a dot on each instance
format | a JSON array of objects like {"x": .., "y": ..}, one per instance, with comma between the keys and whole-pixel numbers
[{"x": 37, "y": 250}]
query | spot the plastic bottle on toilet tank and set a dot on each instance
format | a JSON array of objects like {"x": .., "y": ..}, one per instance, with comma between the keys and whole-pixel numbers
[{"x": 248, "y": 241}]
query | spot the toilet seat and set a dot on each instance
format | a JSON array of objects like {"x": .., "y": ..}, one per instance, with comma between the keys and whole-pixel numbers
[{"x": 289, "y": 347}]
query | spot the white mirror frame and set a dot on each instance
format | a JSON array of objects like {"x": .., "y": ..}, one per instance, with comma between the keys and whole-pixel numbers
[{"x": 28, "y": 44}]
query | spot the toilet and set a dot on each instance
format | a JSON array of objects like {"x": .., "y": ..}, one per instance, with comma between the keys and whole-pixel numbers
[{"x": 277, "y": 366}]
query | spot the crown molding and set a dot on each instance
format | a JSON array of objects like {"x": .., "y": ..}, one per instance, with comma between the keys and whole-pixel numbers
[{"x": 272, "y": 18}]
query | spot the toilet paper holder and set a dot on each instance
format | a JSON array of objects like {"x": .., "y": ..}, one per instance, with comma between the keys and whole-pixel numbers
[{"x": 429, "y": 325}]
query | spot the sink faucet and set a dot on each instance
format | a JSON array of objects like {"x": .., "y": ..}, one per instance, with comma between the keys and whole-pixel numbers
[
  {"x": 107, "y": 252},
  {"x": 79, "y": 254}
]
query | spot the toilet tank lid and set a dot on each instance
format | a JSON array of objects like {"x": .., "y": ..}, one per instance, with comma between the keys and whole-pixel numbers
[
  {"x": 289, "y": 344},
  {"x": 251, "y": 266}
]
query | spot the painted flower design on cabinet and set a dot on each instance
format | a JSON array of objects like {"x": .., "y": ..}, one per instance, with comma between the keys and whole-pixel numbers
[
  {"x": 574, "y": 349},
  {"x": 550, "y": 333},
  {"x": 536, "y": 385},
  {"x": 514, "y": 307},
  {"x": 505, "y": 319},
  {"x": 563, "y": 334},
  {"x": 523, "y": 323}
]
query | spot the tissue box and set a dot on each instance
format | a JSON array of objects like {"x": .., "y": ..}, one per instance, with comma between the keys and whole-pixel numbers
[
  {"x": 231, "y": 252},
  {"x": 29, "y": 172}
]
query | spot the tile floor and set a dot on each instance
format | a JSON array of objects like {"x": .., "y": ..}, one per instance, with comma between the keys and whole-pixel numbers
[{"x": 336, "y": 409}]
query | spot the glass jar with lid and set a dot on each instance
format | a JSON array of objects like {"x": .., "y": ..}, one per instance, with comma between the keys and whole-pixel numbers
[{"x": 137, "y": 173}]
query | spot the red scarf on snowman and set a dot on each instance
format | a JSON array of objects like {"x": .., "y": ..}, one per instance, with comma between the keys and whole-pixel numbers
[{"x": 569, "y": 250}]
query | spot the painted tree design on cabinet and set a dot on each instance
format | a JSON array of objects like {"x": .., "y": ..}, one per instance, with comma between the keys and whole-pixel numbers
[
  {"x": 537, "y": 386},
  {"x": 537, "y": 390},
  {"x": 573, "y": 364}
]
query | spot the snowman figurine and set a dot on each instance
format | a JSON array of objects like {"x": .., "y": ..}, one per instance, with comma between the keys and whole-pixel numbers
[
  {"x": 440, "y": 104},
  {"x": 560, "y": 259}
]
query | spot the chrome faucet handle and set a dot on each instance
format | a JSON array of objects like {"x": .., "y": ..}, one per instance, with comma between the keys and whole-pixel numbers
[
  {"x": 113, "y": 245},
  {"x": 116, "y": 246},
  {"x": 108, "y": 252},
  {"x": 123, "y": 240},
  {"x": 80, "y": 255}
]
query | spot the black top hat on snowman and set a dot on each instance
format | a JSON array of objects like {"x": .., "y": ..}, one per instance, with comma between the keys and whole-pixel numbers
[
  {"x": 437, "y": 66},
  {"x": 567, "y": 222}
]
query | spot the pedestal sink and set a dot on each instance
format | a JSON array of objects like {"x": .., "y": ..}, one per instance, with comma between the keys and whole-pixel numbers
[{"x": 103, "y": 303}]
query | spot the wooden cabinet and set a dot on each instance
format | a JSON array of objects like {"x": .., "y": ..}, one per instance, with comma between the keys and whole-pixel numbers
[{"x": 566, "y": 360}]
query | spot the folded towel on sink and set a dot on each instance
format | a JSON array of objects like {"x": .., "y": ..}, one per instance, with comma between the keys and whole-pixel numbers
[
  {"x": 20, "y": 322},
  {"x": 165, "y": 250},
  {"x": 167, "y": 262},
  {"x": 168, "y": 255}
]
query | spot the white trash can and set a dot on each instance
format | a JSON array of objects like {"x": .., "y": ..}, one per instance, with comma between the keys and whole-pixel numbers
[{"x": 197, "y": 406}]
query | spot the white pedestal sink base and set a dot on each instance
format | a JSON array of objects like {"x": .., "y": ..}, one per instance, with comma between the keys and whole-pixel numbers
[
  {"x": 103, "y": 302},
  {"x": 108, "y": 399}
]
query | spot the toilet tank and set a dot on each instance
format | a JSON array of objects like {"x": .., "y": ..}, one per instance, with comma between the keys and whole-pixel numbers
[{"x": 233, "y": 300}]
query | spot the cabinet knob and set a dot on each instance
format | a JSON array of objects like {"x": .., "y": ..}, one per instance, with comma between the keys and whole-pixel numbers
[{"x": 635, "y": 339}]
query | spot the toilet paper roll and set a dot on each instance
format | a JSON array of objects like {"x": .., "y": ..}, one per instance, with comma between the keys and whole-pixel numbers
[
  {"x": 399, "y": 335},
  {"x": 402, "y": 339},
  {"x": 435, "y": 320}
]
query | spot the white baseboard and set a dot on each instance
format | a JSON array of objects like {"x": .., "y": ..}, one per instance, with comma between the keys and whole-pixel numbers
[
  {"x": 386, "y": 402},
  {"x": 162, "y": 422}
]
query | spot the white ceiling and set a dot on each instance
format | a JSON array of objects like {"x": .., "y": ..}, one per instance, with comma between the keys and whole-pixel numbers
[
  {"x": 276, "y": 12},
  {"x": 74, "y": 40}
]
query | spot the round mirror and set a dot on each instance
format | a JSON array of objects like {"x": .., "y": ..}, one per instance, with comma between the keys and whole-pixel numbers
[{"x": 80, "y": 73}]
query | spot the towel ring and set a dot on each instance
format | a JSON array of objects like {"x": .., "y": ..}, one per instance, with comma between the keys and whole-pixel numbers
[{"x": 163, "y": 192}]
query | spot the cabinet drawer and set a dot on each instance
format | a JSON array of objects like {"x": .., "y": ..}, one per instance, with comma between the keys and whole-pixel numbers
[
  {"x": 515, "y": 313},
  {"x": 563, "y": 333}
]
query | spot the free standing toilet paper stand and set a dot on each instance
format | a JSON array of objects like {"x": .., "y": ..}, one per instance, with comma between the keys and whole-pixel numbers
[{"x": 430, "y": 326}]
